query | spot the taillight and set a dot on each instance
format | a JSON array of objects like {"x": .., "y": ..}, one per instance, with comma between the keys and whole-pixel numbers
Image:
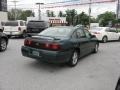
[
  {"x": 19, "y": 28},
  {"x": 53, "y": 46},
  {"x": 27, "y": 42},
  {"x": 96, "y": 32}
]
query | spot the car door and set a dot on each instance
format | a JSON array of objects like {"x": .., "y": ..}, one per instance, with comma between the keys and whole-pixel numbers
[
  {"x": 80, "y": 41},
  {"x": 92, "y": 40},
  {"x": 115, "y": 35}
]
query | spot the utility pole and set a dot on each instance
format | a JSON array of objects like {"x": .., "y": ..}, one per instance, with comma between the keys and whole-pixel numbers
[
  {"x": 118, "y": 9},
  {"x": 15, "y": 2},
  {"x": 90, "y": 13},
  {"x": 39, "y": 4}
]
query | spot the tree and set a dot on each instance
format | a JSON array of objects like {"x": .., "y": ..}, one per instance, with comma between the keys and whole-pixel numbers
[
  {"x": 48, "y": 13},
  {"x": 20, "y": 14},
  {"x": 52, "y": 14},
  {"x": 82, "y": 18},
  {"x": 13, "y": 12},
  {"x": 106, "y": 18},
  {"x": 70, "y": 16},
  {"x": 61, "y": 14}
]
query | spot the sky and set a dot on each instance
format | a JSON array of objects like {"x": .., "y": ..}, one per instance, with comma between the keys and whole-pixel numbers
[{"x": 96, "y": 8}]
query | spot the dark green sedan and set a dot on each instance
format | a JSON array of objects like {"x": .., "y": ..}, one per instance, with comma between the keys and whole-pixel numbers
[{"x": 60, "y": 44}]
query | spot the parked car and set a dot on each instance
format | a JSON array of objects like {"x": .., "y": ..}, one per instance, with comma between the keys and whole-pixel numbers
[
  {"x": 105, "y": 34},
  {"x": 118, "y": 85},
  {"x": 15, "y": 28},
  {"x": 60, "y": 45},
  {"x": 34, "y": 27},
  {"x": 3, "y": 41},
  {"x": 1, "y": 28}
]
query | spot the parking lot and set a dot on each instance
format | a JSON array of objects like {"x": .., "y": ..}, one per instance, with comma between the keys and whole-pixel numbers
[{"x": 95, "y": 72}]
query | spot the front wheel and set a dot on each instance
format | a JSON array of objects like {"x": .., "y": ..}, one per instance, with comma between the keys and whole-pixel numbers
[
  {"x": 74, "y": 59},
  {"x": 3, "y": 45},
  {"x": 96, "y": 48},
  {"x": 119, "y": 39}
]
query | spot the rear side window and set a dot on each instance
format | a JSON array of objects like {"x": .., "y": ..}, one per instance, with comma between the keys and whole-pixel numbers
[
  {"x": 80, "y": 33},
  {"x": 21, "y": 23}
]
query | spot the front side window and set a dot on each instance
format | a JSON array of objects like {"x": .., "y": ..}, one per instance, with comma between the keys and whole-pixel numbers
[
  {"x": 80, "y": 33},
  {"x": 88, "y": 35}
]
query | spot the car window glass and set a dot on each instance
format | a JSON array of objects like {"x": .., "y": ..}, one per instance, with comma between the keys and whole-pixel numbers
[
  {"x": 107, "y": 30},
  {"x": 113, "y": 30},
  {"x": 74, "y": 35},
  {"x": 88, "y": 35},
  {"x": 21, "y": 23},
  {"x": 80, "y": 33}
]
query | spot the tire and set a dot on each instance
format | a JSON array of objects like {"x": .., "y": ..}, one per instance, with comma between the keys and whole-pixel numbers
[
  {"x": 24, "y": 35},
  {"x": 3, "y": 44},
  {"x": 96, "y": 48},
  {"x": 119, "y": 39},
  {"x": 118, "y": 87},
  {"x": 9, "y": 36},
  {"x": 74, "y": 59},
  {"x": 105, "y": 39}
]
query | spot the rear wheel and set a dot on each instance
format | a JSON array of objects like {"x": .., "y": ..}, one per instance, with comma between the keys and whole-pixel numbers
[
  {"x": 105, "y": 39},
  {"x": 74, "y": 59},
  {"x": 3, "y": 44}
]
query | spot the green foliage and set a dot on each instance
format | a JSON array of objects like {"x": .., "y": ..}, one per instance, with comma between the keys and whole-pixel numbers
[
  {"x": 82, "y": 18},
  {"x": 107, "y": 17},
  {"x": 70, "y": 16},
  {"x": 61, "y": 14},
  {"x": 20, "y": 14},
  {"x": 50, "y": 13}
]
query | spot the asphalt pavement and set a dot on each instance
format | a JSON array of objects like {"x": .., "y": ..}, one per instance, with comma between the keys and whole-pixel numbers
[{"x": 94, "y": 72}]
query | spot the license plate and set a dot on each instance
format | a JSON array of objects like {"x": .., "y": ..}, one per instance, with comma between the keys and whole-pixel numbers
[{"x": 35, "y": 53}]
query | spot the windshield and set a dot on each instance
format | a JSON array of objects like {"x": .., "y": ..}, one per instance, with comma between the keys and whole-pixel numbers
[
  {"x": 12, "y": 23},
  {"x": 37, "y": 24},
  {"x": 56, "y": 32}
]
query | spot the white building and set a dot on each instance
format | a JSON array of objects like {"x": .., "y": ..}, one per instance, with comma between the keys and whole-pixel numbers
[{"x": 3, "y": 10}]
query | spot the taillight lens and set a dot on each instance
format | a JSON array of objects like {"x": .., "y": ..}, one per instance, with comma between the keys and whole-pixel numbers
[
  {"x": 53, "y": 46},
  {"x": 27, "y": 42},
  {"x": 19, "y": 28}
]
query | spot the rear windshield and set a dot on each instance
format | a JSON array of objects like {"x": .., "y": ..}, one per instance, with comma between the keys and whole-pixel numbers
[
  {"x": 96, "y": 29},
  {"x": 12, "y": 23},
  {"x": 56, "y": 32},
  {"x": 37, "y": 24}
]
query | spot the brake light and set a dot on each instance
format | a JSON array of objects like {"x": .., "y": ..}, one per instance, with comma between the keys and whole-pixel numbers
[
  {"x": 27, "y": 42},
  {"x": 53, "y": 46},
  {"x": 96, "y": 32},
  {"x": 19, "y": 28}
]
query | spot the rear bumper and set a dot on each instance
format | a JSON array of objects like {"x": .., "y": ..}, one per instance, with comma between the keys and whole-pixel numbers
[
  {"x": 13, "y": 33},
  {"x": 32, "y": 34},
  {"x": 47, "y": 56}
]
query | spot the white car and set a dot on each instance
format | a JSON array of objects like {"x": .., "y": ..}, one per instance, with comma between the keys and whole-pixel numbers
[
  {"x": 15, "y": 28},
  {"x": 105, "y": 34}
]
